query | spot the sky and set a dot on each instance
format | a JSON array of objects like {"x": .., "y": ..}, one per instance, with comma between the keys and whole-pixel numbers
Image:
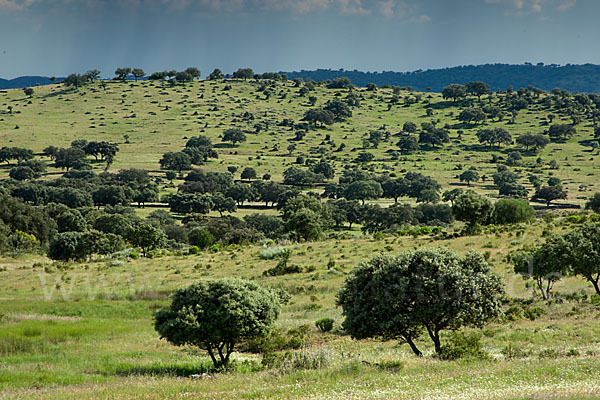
[{"x": 60, "y": 37}]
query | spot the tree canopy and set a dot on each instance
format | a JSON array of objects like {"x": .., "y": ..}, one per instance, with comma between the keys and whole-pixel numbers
[
  {"x": 431, "y": 289},
  {"x": 215, "y": 315}
]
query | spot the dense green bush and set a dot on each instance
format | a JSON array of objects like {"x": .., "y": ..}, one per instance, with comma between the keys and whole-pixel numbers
[
  {"x": 200, "y": 237},
  {"x": 324, "y": 324},
  {"x": 215, "y": 315},
  {"x": 511, "y": 211},
  {"x": 273, "y": 252},
  {"x": 463, "y": 346}
]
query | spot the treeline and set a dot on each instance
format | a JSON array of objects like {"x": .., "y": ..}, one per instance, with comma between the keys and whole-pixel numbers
[{"x": 575, "y": 78}]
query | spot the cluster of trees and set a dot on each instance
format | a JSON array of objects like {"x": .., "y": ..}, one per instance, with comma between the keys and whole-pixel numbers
[
  {"x": 576, "y": 253},
  {"x": 73, "y": 233},
  {"x": 197, "y": 151},
  {"x": 28, "y": 168},
  {"x": 75, "y": 156},
  {"x": 78, "y": 80},
  {"x": 19, "y": 154},
  {"x": 188, "y": 75},
  {"x": 85, "y": 188},
  {"x": 430, "y": 137},
  {"x": 362, "y": 185},
  {"x": 333, "y": 111},
  {"x": 123, "y": 73},
  {"x": 477, "y": 210}
]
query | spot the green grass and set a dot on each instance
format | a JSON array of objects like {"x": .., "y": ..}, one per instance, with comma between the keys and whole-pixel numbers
[
  {"x": 96, "y": 114},
  {"x": 71, "y": 346},
  {"x": 85, "y": 330}
]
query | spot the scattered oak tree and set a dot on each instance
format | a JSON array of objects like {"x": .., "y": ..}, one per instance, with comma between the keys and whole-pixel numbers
[
  {"x": 215, "y": 315},
  {"x": 400, "y": 297}
]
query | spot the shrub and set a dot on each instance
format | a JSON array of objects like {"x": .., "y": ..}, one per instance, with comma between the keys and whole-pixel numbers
[
  {"x": 277, "y": 340},
  {"x": 283, "y": 269},
  {"x": 463, "y": 346},
  {"x": 298, "y": 336},
  {"x": 391, "y": 365},
  {"x": 513, "y": 313},
  {"x": 573, "y": 353},
  {"x": 510, "y": 352},
  {"x": 305, "y": 359},
  {"x": 272, "y": 252},
  {"x": 549, "y": 353},
  {"x": 201, "y": 237},
  {"x": 324, "y": 324},
  {"x": 511, "y": 211},
  {"x": 533, "y": 313},
  {"x": 194, "y": 250}
]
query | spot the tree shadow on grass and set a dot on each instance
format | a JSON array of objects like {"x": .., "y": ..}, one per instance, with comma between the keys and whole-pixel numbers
[{"x": 160, "y": 369}]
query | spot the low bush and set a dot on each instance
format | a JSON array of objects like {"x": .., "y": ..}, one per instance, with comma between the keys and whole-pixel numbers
[
  {"x": 282, "y": 269},
  {"x": 510, "y": 352},
  {"x": 324, "y": 324},
  {"x": 533, "y": 312},
  {"x": 463, "y": 346},
  {"x": 549, "y": 353},
  {"x": 278, "y": 340},
  {"x": 306, "y": 359},
  {"x": 271, "y": 253},
  {"x": 391, "y": 365}
]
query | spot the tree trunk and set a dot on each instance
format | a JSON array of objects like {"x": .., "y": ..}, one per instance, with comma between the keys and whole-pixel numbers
[
  {"x": 594, "y": 282},
  {"x": 413, "y": 347},
  {"x": 541, "y": 287},
  {"x": 212, "y": 356},
  {"x": 435, "y": 337},
  {"x": 221, "y": 356}
]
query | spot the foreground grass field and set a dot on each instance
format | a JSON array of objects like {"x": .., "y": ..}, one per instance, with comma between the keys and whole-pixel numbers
[{"x": 85, "y": 331}]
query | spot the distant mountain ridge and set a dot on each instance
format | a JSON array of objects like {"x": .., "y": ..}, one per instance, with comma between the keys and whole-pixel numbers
[
  {"x": 25, "y": 81},
  {"x": 574, "y": 78}
]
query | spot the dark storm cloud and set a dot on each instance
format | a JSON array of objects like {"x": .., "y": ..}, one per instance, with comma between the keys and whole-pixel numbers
[{"x": 57, "y": 37}]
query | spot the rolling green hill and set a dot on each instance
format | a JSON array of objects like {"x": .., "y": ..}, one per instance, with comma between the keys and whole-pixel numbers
[
  {"x": 83, "y": 328},
  {"x": 159, "y": 118}
]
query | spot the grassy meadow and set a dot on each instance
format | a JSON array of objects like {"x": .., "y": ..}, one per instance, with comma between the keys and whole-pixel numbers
[
  {"x": 85, "y": 330},
  {"x": 159, "y": 118}
]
